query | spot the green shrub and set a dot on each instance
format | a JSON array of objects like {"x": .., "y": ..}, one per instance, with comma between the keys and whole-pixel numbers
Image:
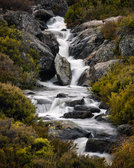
[
  {"x": 20, "y": 55},
  {"x": 13, "y": 103},
  {"x": 116, "y": 89},
  {"x": 124, "y": 155}
]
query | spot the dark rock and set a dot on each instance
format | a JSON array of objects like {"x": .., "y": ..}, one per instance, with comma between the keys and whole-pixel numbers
[
  {"x": 78, "y": 114},
  {"x": 63, "y": 70},
  {"x": 66, "y": 130},
  {"x": 61, "y": 95},
  {"x": 46, "y": 62},
  {"x": 84, "y": 78},
  {"x": 75, "y": 102},
  {"x": 126, "y": 45},
  {"x": 43, "y": 101},
  {"x": 23, "y": 21},
  {"x": 99, "y": 145},
  {"x": 87, "y": 109},
  {"x": 43, "y": 14},
  {"x": 49, "y": 39},
  {"x": 100, "y": 117},
  {"x": 59, "y": 7},
  {"x": 124, "y": 129},
  {"x": 103, "y": 106}
]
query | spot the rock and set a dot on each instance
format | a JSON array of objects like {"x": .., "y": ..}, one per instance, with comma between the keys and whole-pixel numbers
[
  {"x": 103, "y": 106},
  {"x": 99, "y": 145},
  {"x": 49, "y": 39},
  {"x": 75, "y": 102},
  {"x": 78, "y": 114},
  {"x": 100, "y": 69},
  {"x": 23, "y": 21},
  {"x": 59, "y": 7},
  {"x": 87, "y": 109},
  {"x": 43, "y": 101},
  {"x": 100, "y": 117},
  {"x": 63, "y": 70},
  {"x": 46, "y": 62},
  {"x": 29, "y": 92},
  {"x": 104, "y": 53},
  {"x": 61, "y": 95},
  {"x": 43, "y": 15},
  {"x": 124, "y": 129},
  {"x": 84, "y": 78},
  {"x": 126, "y": 45},
  {"x": 66, "y": 130}
]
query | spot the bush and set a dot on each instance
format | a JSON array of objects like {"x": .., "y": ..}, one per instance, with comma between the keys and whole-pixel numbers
[
  {"x": 14, "y": 104},
  {"x": 21, "y": 55},
  {"x": 124, "y": 155},
  {"x": 24, "y": 5},
  {"x": 116, "y": 89}
]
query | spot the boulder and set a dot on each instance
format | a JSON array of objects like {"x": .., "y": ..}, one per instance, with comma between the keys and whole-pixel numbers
[
  {"x": 103, "y": 106},
  {"x": 87, "y": 109},
  {"x": 61, "y": 95},
  {"x": 75, "y": 102},
  {"x": 63, "y": 70},
  {"x": 66, "y": 130},
  {"x": 46, "y": 62},
  {"x": 104, "y": 53},
  {"x": 43, "y": 15},
  {"x": 99, "y": 145},
  {"x": 126, "y": 45},
  {"x": 49, "y": 39},
  {"x": 59, "y": 7},
  {"x": 78, "y": 114},
  {"x": 124, "y": 129},
  {"x": 23, "y": 21}
]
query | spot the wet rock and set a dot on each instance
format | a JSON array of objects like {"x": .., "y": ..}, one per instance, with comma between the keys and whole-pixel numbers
[
  {"x": 29, "y": 92},
  {"x": 99, "y": 145},
  {"x": 66, "y": 130},
  {"x": 124, "y": 129},
  {"x": 103, "y": 106},
  {"x": 100, "y": 117},
  {"x": 63, "y": 70},
  {"x": 78, "y": 114},
  {"x": 43, "y": 14},
  {"x": 43, "y": 101},
  {"x": 126, "y": 45},
  {"x": 87, "y": 109},
  {"x": 84, "y": 78},
  {"x": 75, "y": 102},
  {"x": 61, "y": 95},
  {"x": 23, "y": 21}
]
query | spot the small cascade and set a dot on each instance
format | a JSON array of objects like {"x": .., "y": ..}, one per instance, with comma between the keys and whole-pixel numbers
[{"x": 56, "y": 102}]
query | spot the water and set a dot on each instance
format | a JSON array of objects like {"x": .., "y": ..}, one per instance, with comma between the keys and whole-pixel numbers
[{"x": 49, "y": 106}]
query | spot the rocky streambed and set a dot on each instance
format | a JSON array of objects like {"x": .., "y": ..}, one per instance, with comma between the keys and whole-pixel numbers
[{"x": 71, "y": 111}]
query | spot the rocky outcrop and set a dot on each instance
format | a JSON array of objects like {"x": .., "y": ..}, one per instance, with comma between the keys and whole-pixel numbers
[
  {"x": 95, "y": 72},
  {"x": 58, "y": 7},
  {"x": 90, "y": 109},
  {"x": 126, "y": 45},
  {"x": 66, "y": 130},
  {"x": 23, "y": 21},
  {"x": 99, "y": 145},
  {"x": 63, "y": 70},
  {"x": 46, "y": 62}
]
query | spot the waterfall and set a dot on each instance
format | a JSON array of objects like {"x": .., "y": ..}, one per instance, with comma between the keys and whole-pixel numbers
[{"x": 54, "y": 108}]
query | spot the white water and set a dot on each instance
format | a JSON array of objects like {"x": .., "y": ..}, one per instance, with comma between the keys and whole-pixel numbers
[{"x": 55, "y": 108}]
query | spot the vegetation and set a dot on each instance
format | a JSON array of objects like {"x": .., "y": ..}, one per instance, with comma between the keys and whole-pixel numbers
[
  {"x": 20, "y": 54},
  {"x": 85, "y": 10},
  {"x": 117, "y": 88},
  {"x": 124, "y": 155},
  {"x": 14, "y": 104},
  {"x": 24, "y": 5}
]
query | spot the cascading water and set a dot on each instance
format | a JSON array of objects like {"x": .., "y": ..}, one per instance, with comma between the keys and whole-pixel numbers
[{"x": 48, "y": 105}]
